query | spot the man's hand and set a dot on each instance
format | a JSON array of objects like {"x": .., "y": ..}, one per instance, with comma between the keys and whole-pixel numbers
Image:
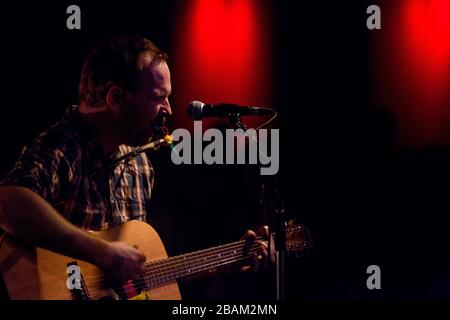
[
  {"x": 262, "y": 255},
  {"x": 124, "y": 261}
]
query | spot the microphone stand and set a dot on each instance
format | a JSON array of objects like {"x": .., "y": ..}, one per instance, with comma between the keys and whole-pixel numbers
[
  {"x": 276, "y": 217},
  {"x": 280, "y": 244}
]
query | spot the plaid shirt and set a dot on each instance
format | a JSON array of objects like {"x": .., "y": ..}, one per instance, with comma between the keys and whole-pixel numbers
[{"x": 64, "y": 166}]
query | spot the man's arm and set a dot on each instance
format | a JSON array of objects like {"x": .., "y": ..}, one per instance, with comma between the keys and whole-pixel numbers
[{"x": 28, "y": 216}]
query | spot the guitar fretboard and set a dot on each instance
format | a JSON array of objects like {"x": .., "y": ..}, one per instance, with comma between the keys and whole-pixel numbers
[{"x": 164, "y": 271}]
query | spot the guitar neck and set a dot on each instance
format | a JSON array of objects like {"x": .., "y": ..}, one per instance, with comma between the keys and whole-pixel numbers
[{"x": 167, "y": 270}]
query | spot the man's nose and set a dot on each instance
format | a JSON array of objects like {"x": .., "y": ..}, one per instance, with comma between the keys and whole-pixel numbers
[{"x": 166, "y": 106}]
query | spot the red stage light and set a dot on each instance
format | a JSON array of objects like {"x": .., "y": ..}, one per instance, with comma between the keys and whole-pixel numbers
[
  {"x": 222, "y": 53},
  {"x": 413, "y": 69},
  {"x": 427, "y": 25}
]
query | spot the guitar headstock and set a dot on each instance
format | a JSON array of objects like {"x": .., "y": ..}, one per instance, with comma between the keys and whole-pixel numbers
[{"x": 298, "y": 239}]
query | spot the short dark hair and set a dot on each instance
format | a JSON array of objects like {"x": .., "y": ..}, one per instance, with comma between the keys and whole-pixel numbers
[{"x": 114, "y": 62}]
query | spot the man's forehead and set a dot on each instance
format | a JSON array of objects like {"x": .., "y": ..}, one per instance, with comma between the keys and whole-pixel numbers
[{"x": 157, "y": 73}]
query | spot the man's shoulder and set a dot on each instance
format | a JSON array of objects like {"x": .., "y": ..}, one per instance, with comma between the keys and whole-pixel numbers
[
  {"x": 59, "y": 136},
  {"x": 63, "y": 136}
]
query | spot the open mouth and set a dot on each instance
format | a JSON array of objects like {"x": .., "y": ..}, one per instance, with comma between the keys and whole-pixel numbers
[{"x": 158, "y": 125}]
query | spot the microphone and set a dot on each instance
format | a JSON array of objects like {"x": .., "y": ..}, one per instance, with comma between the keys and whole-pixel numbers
[{"x": 198, "y": 110}]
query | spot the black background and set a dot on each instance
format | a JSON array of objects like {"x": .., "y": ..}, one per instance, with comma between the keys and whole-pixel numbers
[{"x": 364, "y": 201}]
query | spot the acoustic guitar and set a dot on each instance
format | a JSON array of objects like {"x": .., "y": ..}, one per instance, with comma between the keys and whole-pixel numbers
[{"x": 32, "y": 273}]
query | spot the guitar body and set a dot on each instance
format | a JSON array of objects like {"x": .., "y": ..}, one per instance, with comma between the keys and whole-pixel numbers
[{"x": 32, "y": 273}]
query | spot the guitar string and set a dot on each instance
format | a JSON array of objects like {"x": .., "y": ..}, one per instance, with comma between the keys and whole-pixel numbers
[
  {"x": 198, "y": 255},
  {"x": 140, "y": 284},
  {"x": 169, "y": 275},
  {"x": 191, "y": 258},
  {"x": 213, "y": 253},
  {"x": 201, "y": 255},
  {"x": 196, "y": 264}
]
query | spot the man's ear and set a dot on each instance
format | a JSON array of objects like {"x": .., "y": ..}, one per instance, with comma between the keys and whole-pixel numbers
[{"x": 114, "y": 98}]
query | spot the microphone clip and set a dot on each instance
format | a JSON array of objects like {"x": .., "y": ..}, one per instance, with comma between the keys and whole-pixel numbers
[{"x": 236, "y": 121}]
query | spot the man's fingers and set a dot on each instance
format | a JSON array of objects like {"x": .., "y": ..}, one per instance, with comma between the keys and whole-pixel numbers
[
  {"x": 246, "y": 268},
  {"x": 263, "y": 231},
  {"x": 250, "y": 234},
  {"x": 253, "y": 265},
  {"x": 263, "y": 248},
  {"x": 264, "y": 244}
]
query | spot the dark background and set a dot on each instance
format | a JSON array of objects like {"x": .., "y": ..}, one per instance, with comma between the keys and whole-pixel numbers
[{"x": 364, "y": 201}]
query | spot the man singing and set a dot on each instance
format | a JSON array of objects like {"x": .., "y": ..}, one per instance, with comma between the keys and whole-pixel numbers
[{"x": 57, "y": 189}]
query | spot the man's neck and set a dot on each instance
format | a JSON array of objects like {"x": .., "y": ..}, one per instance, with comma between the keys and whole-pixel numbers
[{"x": 102, "y": 124}]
